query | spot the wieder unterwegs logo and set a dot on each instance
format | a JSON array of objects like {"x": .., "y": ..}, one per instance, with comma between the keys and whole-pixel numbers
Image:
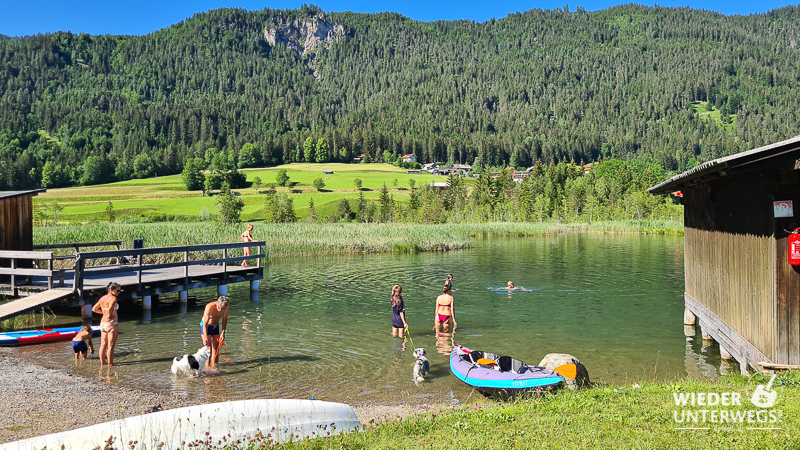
[{"x": 753, "y": 410}]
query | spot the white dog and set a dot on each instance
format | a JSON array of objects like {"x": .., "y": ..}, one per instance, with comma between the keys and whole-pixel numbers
[
  {"x": 421, "y": 365},
  {"x": 191, "y": 364}
]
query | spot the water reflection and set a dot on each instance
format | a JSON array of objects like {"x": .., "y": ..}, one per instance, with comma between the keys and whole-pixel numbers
[{"x": 445, "y": 341}]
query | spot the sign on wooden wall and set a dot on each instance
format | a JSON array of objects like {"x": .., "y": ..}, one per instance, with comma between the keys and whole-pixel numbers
[{"x": 783, "y": 208}]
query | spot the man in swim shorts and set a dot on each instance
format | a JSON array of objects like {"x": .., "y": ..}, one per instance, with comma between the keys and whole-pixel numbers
[{"x": 216, "y": 313}]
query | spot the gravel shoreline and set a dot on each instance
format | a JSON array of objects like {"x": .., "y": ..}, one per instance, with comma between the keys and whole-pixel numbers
[{"x": 40, "y": 400}]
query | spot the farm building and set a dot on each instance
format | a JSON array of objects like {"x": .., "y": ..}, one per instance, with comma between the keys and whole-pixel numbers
[
  {"x": 430, "y": 167},
  {"x": 327, "y": 172},
  {"x": 461, "y": 169},
  {"x": 738, "y": 218}
]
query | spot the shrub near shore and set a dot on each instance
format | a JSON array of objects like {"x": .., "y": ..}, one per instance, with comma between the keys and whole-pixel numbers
[{"x": 303, "y": 239}]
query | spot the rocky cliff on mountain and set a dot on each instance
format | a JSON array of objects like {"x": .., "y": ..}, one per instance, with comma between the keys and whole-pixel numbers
[{"x": 304, "y": 35}]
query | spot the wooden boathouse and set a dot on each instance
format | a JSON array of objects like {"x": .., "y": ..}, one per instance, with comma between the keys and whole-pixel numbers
[{"x": 738, "y": 214}]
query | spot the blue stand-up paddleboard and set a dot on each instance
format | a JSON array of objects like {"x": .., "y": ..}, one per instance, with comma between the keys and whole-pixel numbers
[{"x": 11, "y": 338}]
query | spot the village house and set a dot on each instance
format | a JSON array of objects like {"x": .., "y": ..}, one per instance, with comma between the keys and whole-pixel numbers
[
  {"x": 519, "y": 175},
  {"x": 430, "y": 167},
  {"x": 461, "y": 169},
  {"x": 409, "y": 158}
]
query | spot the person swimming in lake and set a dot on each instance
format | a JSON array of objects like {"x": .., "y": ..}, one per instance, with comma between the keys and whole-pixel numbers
[
  {"x": 399, "y": 324},
  {"x": 109, "y": 324},
  {"x": 510, "y": 286},
  {"x": 443, "y": 312},
  {"x": 448, "y": 282},
  {"x": 82, "y": 343}
]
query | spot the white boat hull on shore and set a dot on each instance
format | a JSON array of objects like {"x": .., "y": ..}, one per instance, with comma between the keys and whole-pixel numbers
[{"x": 212, "y": 425}]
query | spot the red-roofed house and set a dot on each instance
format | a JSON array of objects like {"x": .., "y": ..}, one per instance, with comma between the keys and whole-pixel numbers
[{"x": 409, "y": 158}]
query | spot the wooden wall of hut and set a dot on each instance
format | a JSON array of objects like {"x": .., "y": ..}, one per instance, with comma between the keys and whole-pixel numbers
[
  {"x": 16, "y": 223},
  {"x": 736, "y": 262}
]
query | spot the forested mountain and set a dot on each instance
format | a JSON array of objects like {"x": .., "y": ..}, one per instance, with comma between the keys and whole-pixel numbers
[{"x": 543, "y": 86}]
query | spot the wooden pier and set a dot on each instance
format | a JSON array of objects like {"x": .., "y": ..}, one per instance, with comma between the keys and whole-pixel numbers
[{"x": 180, "y": 269}]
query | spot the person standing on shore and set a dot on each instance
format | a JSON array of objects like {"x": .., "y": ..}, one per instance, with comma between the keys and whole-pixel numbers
[
  {"x": 444, "y": 310},
  {"x": 399, "y": 324},
  {"x": 109, "y": 323},
  {"x": 247, "y": 237},
  {"x": 215, "y": 314}
]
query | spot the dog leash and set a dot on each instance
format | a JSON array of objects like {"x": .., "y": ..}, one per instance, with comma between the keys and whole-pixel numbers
[
  {"x": 409, "y": 337},
  {"x": 222, "y": 345}
]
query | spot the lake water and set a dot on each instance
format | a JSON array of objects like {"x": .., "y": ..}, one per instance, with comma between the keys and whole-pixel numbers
[{"x": 321, "y": 326}]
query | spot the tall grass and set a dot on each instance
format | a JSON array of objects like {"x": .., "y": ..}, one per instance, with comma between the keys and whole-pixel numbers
[{"x": 305, "y": 239}]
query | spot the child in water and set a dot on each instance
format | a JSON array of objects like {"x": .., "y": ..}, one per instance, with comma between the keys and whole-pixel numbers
[{"x": 82, "y": 342}]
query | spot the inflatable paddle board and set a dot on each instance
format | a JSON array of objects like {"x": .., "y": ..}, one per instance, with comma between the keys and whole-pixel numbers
[{"x": 217, "y": 425}]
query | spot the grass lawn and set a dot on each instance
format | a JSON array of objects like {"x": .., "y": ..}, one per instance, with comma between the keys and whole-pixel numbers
[{"x": 162, "y": 196}]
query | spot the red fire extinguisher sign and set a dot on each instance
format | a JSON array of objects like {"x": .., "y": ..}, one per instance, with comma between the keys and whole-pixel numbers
[{"x": 794, "y": 247}]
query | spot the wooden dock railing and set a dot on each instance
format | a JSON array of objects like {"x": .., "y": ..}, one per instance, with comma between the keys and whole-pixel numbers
[
  {"x": 138, "y": 265},
  {"x": 16, "y": 272}
]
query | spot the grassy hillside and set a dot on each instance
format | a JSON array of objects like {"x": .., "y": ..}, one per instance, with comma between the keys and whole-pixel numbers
[{"x": 167, "y": 196}]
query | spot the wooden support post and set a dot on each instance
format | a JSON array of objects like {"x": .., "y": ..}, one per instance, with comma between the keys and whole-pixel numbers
[
  {"x": 724, "y": 353},
  {"x": 186, "y": 268},
  {"x": 183, "y": 297},
  {"x": 50, "y": 269},
  {"x": 224, "y": 264},
  {"x": 147, "y": 303},
  {"x": 86, "y": 312},
  {"x": 688, "y": 317},
  {"x": 222, "y": 289},
  {"x": 14, "y": 290},
  {"x": 139, "y": 273},
  {"x": 258, "y": 260}
]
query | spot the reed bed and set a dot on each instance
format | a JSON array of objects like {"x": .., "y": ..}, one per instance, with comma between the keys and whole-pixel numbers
[{"x": 307, "y": 239}]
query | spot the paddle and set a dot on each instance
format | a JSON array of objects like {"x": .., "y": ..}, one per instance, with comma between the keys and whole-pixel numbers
[{"x": 567, "y": 371}]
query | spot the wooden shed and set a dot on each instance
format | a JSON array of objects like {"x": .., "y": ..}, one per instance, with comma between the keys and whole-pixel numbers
[
  {"x": 738, "y": 214},
  {"x": 16, "y": 219}
]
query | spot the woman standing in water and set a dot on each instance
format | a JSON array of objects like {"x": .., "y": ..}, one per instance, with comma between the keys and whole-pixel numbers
[
  {"x": 444, "y": 312},
  {"x": 109, "y": 324},
  {"x": 399, "y": 324}
]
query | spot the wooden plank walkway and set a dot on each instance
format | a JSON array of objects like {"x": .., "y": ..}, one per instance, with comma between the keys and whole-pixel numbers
[{"x": 34, "y": 302}]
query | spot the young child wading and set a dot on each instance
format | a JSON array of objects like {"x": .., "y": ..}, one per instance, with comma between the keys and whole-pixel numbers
[{"x": 82, "y": 342}]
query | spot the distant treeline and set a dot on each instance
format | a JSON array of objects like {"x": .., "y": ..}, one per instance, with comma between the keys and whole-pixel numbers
[
  {"x": 611, "y": 190},
  {"x": 539, "y": 86}
]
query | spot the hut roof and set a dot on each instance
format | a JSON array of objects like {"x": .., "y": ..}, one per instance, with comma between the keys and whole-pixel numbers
[
  {"x": 12, "y": 194},
  {"x": 769, "y": 155}
]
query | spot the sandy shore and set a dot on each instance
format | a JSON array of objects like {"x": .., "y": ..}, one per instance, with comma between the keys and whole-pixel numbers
[{"x": 40, "y": 400}]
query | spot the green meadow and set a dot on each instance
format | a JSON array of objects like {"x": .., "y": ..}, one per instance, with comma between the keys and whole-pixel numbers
[{"x": 167, "y": 196}]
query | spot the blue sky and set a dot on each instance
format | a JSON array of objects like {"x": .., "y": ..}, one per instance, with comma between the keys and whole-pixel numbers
[{"x": 24, "y": 17}]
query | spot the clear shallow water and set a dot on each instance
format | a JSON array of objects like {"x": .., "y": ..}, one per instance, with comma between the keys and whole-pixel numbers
[{"x": 321, "y": 326}]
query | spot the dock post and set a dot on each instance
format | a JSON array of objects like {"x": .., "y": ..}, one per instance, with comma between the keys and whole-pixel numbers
[
  {"x": 723, "y": 353},
  {"x": 254, "y": 285},
  {"x": 183, "y": 302},
  {"x": 688, "y": 317},
  {"x": 147, "y": 303},
  {"x": 222, "y": 289},
  {"x": 86, "y": 312}
]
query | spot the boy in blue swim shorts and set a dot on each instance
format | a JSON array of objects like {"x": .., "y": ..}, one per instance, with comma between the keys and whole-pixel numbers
[{"x": 82, "y": 343}]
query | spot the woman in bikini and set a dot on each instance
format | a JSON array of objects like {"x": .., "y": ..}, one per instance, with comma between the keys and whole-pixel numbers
[
  {"x": 247, "y": 237},
  {"x": 109, "y": 324},
  {"x": 444, "y": 312}
]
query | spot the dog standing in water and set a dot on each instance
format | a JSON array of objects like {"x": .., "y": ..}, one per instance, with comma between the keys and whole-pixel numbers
[
  {"x": 191, "y": 365},
  {"x": 421, "y": 365}
]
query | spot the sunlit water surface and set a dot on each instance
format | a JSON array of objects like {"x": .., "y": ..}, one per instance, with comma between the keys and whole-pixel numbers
[{"x": 321, "y": 326}]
